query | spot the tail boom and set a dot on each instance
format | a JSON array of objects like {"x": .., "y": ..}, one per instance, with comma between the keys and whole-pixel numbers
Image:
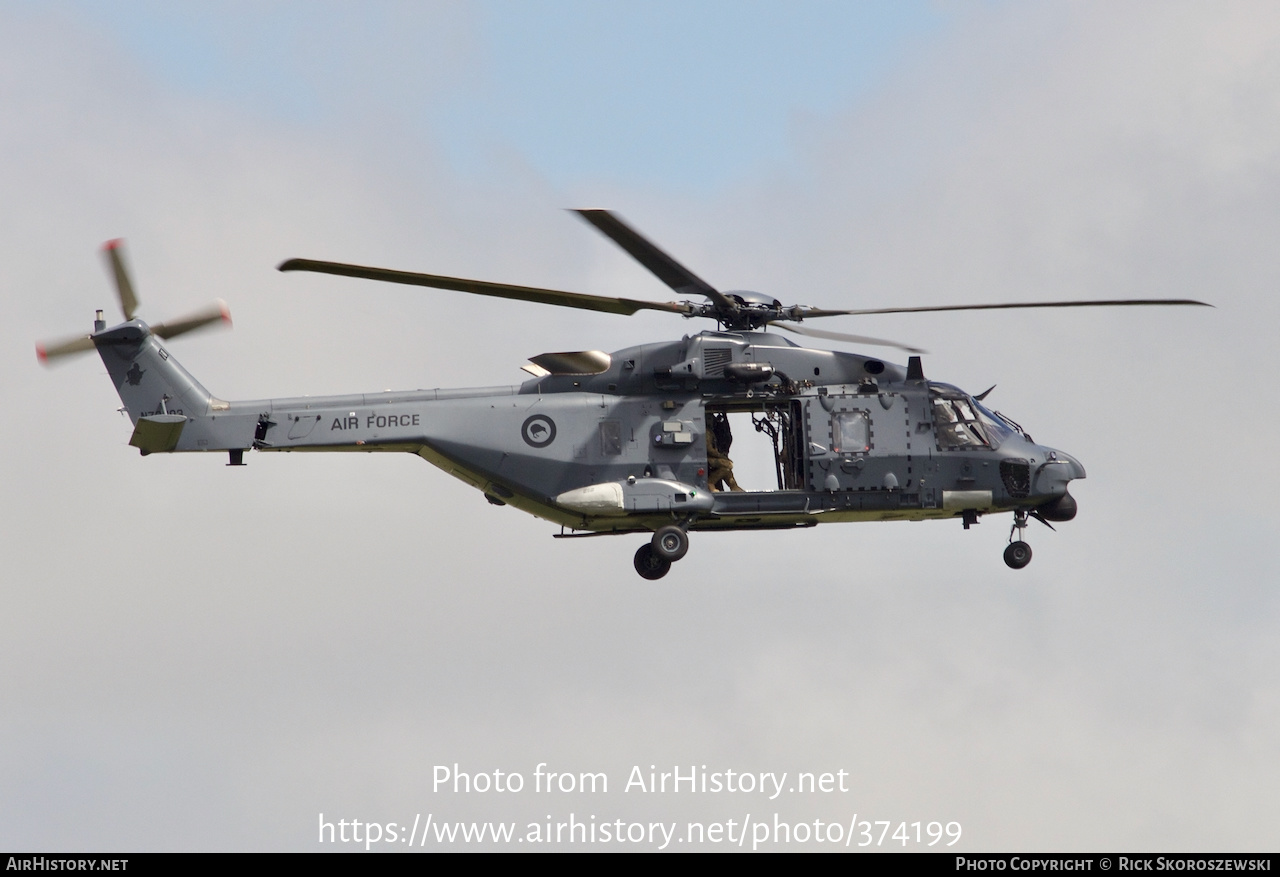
[{"x": 172, "y": 412}]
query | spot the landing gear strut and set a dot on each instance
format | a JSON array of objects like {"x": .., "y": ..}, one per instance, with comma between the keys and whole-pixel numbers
[{"x": 1018, "y": 554}]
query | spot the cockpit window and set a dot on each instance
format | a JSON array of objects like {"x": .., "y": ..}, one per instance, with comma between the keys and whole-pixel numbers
[
  {"x": 964, "y": 422},
  {"x": 957, "y": 423}
]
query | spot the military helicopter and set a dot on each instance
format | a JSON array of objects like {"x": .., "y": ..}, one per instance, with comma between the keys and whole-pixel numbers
[{"x": 638, "y": 441}]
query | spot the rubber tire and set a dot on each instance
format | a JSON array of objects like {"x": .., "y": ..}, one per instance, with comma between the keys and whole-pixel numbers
[
  {"x": 670, "y": 542},
  {"x": 650, "y": 564},
  {"x": 1017, "y": 555}
]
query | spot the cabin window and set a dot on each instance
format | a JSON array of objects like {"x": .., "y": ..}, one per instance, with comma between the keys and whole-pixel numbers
[
  {"x": 610, "y": 438},
  {"x": 851, "y": 432}
]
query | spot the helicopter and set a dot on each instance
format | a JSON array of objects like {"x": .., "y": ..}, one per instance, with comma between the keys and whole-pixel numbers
[{"x": 638, "y": 441}]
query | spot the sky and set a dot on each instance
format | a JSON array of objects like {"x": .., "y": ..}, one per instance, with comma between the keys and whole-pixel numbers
[{"x": 203, "y": 658}]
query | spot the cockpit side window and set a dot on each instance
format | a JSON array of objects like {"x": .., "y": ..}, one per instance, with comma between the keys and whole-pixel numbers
[{"x": 957, "y": 423}]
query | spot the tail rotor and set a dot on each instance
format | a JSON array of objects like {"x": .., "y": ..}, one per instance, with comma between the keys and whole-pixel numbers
[{"x": 212, "y": 314}]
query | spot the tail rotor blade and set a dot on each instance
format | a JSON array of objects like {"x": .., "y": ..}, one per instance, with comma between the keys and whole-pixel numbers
[
  {"x": 49, "y": 350},
  {"x": 124, "y": 286},
  {"x": 214, "y": 313}
]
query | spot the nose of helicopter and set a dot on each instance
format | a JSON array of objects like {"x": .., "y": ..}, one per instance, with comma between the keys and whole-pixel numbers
[
  {"x": 1055, "y": 475},
  {"x": 1073, "y": 468}
]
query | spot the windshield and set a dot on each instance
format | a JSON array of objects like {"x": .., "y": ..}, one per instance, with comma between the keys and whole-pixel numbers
[{"x": 997, "y": 426}]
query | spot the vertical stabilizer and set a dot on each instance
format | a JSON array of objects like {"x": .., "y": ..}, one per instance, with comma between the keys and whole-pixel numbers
[{"x": 150, "y": 382}]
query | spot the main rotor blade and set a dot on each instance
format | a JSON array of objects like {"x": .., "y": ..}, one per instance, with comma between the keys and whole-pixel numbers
[
  {"x": 124, "y": 287},
  {"x": 47, "y": 350},
  {"x": 840, "y": 336},
  {"x": 648, "y": 254},
  {"x": 1106, "y": 302},
  {"x": 624, "y": 306},
  {"x": 214, "y": 313}
]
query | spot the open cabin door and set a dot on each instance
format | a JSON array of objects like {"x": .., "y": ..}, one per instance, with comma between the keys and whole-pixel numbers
[{"x": 741, "y": 430}]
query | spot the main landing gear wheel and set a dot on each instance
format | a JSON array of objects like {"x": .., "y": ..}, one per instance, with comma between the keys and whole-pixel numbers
[
  {"x": 670, "y": 542},
  {"x": 650, "y": 564},
  {"x": 1017, "y": 555}
]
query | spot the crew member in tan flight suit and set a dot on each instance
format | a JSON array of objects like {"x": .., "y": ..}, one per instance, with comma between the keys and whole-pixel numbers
[{"x": 719, "y": 466}]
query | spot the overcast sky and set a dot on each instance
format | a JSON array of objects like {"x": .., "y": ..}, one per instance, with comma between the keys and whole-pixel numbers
[{"x": 204, "y": 658}]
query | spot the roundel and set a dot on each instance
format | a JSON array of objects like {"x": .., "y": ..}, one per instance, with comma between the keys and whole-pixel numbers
[{"x": 538, "y": 431}]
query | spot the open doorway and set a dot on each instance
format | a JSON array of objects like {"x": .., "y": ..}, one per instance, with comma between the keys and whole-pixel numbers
[{"x": 763, "y": 446}]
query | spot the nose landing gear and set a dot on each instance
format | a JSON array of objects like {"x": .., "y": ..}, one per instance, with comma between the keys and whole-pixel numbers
[{"x": 1018, "y": 554}]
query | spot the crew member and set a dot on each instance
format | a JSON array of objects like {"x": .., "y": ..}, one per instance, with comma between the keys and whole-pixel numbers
[{"x": 719, "y": 466}]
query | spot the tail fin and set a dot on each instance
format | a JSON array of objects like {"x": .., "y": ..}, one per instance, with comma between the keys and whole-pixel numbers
[{"x": 160, "y": 395}]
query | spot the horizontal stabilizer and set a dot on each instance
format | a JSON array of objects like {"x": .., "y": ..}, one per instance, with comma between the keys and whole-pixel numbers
[{"x": 157, "y": 433}]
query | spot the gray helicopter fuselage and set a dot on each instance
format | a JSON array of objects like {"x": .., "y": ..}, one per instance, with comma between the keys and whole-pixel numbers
[{"x": 619, "y": 442}]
